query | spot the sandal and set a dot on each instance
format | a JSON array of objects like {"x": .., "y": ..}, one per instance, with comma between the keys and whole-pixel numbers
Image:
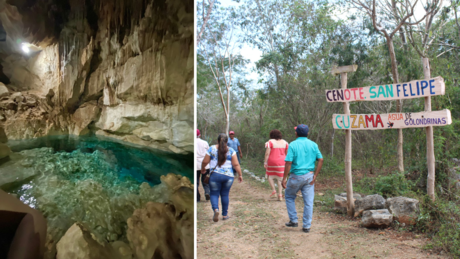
[
  {"x": 216, "y": 215},
  {"x": 280, "y": 197},
  {"x": 273, "y": 193}
]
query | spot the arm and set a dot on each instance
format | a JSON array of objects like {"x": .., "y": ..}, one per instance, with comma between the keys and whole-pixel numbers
[
  {"x": 239, "y": 150},
  {"x": 237, "y": 167},
  {"x": 267, "y": 154},
  {"x": 205, "y": 162},
  {"x": 318, "y": 168},
  {"x": 287, "y": 168}
]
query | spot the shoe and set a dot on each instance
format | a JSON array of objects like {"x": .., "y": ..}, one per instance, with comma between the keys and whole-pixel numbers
[
  {"x": 225, "y": 217},
  {"x": 216, "y": 216},
  {"x": 292, "y": 224},
  {"x": 273, "y": 193},
  {"x": 306, "y": 230},
  {"x": 208, "y": 197},
  {"x": 280, "y": 197}
]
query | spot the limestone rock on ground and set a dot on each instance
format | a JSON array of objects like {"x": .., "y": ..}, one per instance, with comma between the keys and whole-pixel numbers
[
  {"x": 370, "y": 202},
  {"x": 377, "y": 218},
  {"x": 405, "y": 210},
  {"x": 79, "y": 243},
  {"x": 340, "y": 202}
]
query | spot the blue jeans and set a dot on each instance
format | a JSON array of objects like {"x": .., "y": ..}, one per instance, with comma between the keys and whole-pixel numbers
[
  {"x": 302, "y": 183},
  {"x": 220, "y": 185},
  {"x": 205, "y": 186}
]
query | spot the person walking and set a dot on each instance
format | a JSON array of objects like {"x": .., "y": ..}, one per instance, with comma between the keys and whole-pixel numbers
[
  {"x": 201, "y": 147},
  {"x": 300, "y": 162},
  {"x": 276, "y": 150},
  {"x": 223, "y": 162},
  {"x": 235, "y": 144}
]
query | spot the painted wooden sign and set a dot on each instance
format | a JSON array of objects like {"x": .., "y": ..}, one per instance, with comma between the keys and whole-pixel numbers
[
  {"x": 391, "y": 120},
  {"x": 412, "y": 89}
]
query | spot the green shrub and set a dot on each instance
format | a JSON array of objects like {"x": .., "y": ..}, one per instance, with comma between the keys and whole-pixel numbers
[
  {"x": 441, "y": 220},
  {"x": 393, "y": 185}
]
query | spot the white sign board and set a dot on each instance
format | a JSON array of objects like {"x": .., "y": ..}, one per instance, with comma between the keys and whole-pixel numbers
[
  {"x": 412, "y": 89},
  {"x": 391, "y": 120}
]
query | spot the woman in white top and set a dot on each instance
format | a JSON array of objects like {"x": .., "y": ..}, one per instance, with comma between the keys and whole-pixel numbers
[{"x": 223, "y": 161}]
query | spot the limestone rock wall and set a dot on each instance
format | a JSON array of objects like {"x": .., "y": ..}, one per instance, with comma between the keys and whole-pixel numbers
[{"x": 122, "y": 69}]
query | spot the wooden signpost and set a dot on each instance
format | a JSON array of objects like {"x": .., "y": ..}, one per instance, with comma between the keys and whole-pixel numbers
[
  {"x": 346, "y": 109},
  {"x": 415, "y": 89},
  {"x": 391, "y": 120}
]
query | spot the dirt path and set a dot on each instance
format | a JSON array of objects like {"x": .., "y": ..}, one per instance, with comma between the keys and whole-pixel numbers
[{"x": 256, "y": 230}]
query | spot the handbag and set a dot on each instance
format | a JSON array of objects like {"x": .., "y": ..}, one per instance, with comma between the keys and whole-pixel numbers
[{"x": 208, "y": 176}]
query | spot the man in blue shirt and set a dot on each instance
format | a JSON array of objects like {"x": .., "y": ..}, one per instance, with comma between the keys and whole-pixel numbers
[
  {"x": 300, "y": 162},
  {"x": 235, "y": 144}
]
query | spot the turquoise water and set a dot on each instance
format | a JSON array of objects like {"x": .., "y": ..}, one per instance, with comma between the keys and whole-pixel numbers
[
  {"x": 90, "y": 180},
  {"x": 140, "y": 164}
]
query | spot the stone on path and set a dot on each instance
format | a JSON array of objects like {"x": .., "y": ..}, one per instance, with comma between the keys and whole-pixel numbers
[
  {"x": 377, "y": 218},
  {"x": 340, "y": 204},
  {"x": 405, "y": 210},
  {"x": 370, "y": 202}
]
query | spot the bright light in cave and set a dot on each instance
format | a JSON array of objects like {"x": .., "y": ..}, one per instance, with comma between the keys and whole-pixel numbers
[{"x": 25, "y": 48}]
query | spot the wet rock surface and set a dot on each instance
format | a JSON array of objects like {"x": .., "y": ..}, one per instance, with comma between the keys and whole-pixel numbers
[{"x": 78, "y": 243}]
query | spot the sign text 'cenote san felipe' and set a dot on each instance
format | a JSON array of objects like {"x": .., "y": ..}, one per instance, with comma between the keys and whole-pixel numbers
[
  {"x": 391, "y": 120},
  {"x": 412, "y": 89}
]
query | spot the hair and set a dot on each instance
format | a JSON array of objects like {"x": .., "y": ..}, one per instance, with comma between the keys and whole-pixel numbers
[
  {"x": 222, "y": 140},
  {"x": 275, "y": 134}
]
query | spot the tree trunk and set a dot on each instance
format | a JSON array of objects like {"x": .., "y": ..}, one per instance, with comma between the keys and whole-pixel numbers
[
  {"x": 430, "y": 159},
  {"x": 394, "y": 71},
  {"x": 332, "y": 144},
  {"x": 227, "y": 126}
]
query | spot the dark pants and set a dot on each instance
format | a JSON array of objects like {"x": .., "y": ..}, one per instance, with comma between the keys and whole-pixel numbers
[
  {"x": 220, "y": 186},
  {"x": 205, "y": 186}
]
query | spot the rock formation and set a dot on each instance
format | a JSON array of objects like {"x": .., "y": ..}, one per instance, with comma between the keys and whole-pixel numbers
[
  {"x": 122, "y": 69},
  {"x": 405, "y": 210},
  {"x": 377, "y": 218},
  {"x": 370, "y": 202},
  {"x": 79, "y": 243},
  {"x": 340, "y": 202}
]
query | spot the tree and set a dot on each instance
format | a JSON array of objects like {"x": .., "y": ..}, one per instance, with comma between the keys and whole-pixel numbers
[
  {"x": 396, "y": 14},
  {"x": 204, "y": 16}
]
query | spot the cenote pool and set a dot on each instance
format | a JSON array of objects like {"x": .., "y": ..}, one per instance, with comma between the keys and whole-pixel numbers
[{"x": 88, "y": 179}]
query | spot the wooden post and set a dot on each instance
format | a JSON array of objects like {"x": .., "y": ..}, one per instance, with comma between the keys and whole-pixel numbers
[
  {"x": 430, "y": 160},
  {"x": 346, "y": 109}
]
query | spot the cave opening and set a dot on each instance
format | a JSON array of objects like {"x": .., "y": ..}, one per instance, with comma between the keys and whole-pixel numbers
[{"x": 96, "y": 120}]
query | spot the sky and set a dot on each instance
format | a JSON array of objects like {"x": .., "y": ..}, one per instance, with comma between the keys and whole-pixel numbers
[{"x": 254, "y": 54}]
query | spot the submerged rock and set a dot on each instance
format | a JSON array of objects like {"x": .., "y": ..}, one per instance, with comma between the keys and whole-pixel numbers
[
  {"x": 405, "y": 210},
  {"x": 377, "y": 218},
  {"x": 4, "y": 151},
  {"x": 79, "y": 243}
]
